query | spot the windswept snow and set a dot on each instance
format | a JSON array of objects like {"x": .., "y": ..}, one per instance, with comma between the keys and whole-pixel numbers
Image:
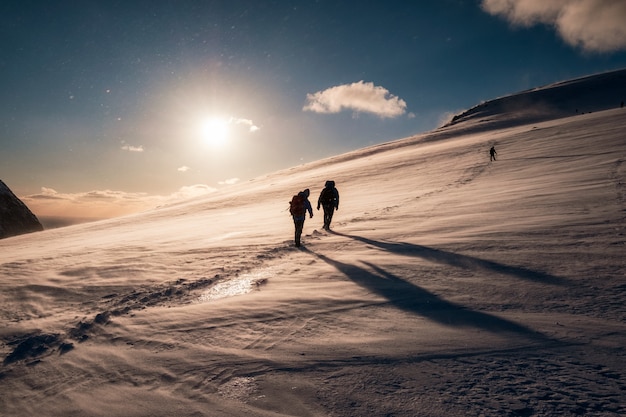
[
  {"x": 449, "y": 286},
  {"x": 579, "y": 96}
]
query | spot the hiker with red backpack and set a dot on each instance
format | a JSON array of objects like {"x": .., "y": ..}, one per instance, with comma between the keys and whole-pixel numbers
[
  {"x": 329, "y": 200},
  {"x": 298, "y": 207}
]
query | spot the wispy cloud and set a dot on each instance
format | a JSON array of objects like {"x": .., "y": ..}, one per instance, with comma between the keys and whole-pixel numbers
[
  {"x": 131, "y": 148},
  {"x": 446, "y": 117},
  {"x": 190, "y": 191},
  {"x": 592, "y": 25},
  {"x": 359, "y": 97},
  {"x": 97, "y": 204},
  {"x": 105, "y": 203},
  {"x": 247, "y": 122},
  {"x": 229, "y": 181},
  {"x": 184, "y": 168}
]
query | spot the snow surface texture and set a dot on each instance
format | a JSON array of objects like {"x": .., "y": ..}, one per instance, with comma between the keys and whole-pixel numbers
[{"x": 449, "y": 286}]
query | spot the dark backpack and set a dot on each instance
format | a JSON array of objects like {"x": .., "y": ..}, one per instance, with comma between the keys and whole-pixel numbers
[
  {"x": 328, "y": 196},
  {"x": 296, "y": 205}
]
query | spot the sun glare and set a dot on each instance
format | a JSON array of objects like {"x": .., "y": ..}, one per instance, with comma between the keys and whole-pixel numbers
[{"x": 214, "y": 131}]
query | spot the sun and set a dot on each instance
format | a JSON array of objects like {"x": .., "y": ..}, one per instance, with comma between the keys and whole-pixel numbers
[{"x": 215, "y": 130}]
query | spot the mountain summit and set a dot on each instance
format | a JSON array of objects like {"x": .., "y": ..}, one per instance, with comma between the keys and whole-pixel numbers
[
  {"x": 15, "y": 217},
  {"x": 567, "y": 98}
]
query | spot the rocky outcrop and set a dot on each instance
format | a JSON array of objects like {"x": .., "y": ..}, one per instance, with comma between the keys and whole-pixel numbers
[{"x": 15, "y": 217}]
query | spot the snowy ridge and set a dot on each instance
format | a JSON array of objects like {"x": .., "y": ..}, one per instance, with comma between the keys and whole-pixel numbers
[
  {"x": 583, "y": 95},
  {"x": 449, "y": 286}
]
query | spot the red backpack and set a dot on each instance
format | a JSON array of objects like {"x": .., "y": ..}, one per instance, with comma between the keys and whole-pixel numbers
[{"x": 296, "y": 205}]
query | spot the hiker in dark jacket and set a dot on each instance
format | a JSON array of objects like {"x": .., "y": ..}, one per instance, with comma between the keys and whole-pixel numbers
[
  {"x": 299, "y": 205},
  {"x": 329, "y": 200},
  {"x": 492, "y": 154}
]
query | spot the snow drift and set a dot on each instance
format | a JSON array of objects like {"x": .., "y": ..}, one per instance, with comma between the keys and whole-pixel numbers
[{"x": 449, "y": 286}]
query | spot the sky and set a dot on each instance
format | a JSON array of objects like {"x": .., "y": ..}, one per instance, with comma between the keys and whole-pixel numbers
[{"x": 111, "y": 107}]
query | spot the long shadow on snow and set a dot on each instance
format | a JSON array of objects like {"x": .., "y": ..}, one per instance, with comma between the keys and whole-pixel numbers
[
  {"x": 414, "y": 299},
  {"x": 460, "y": 261}
]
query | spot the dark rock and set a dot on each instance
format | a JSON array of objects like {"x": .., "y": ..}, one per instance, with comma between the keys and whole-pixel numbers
[
  {"x": 65, "y": 347},
  {"x": 15, "y": 217},
  {"x": 32, "y": 346}
]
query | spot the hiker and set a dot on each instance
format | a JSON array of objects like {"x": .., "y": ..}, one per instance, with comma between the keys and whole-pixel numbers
[
  {"x": 298, "y": 207},
  {"x": 329, "y": 200},
  {"x": 492, "y": 154}
]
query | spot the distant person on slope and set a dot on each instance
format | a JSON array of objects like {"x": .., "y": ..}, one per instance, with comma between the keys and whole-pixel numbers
[
  {"x": 492, "y": 154},
  {"x": 329, "y": 200},
  {"x": 298, "y": 207}
]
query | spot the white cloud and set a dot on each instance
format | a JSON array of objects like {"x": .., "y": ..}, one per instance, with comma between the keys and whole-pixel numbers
[
  {"x": 131, "y": 148},
  {"x": 251, "y": 126},
  {"x": 229, "y": 181},
  {"x": 184, "y": 168},
  {"x": 592, "y": 25},
  {"x": 359, "y": 97}
]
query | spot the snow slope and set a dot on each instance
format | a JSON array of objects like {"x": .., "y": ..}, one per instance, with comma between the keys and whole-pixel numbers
[
  {"x": 449, "y": 286},
  {"x": 579, "y": 96}
]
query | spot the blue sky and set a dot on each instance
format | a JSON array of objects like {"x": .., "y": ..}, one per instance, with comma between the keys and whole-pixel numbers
[{"x": 110, "y": 107}]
